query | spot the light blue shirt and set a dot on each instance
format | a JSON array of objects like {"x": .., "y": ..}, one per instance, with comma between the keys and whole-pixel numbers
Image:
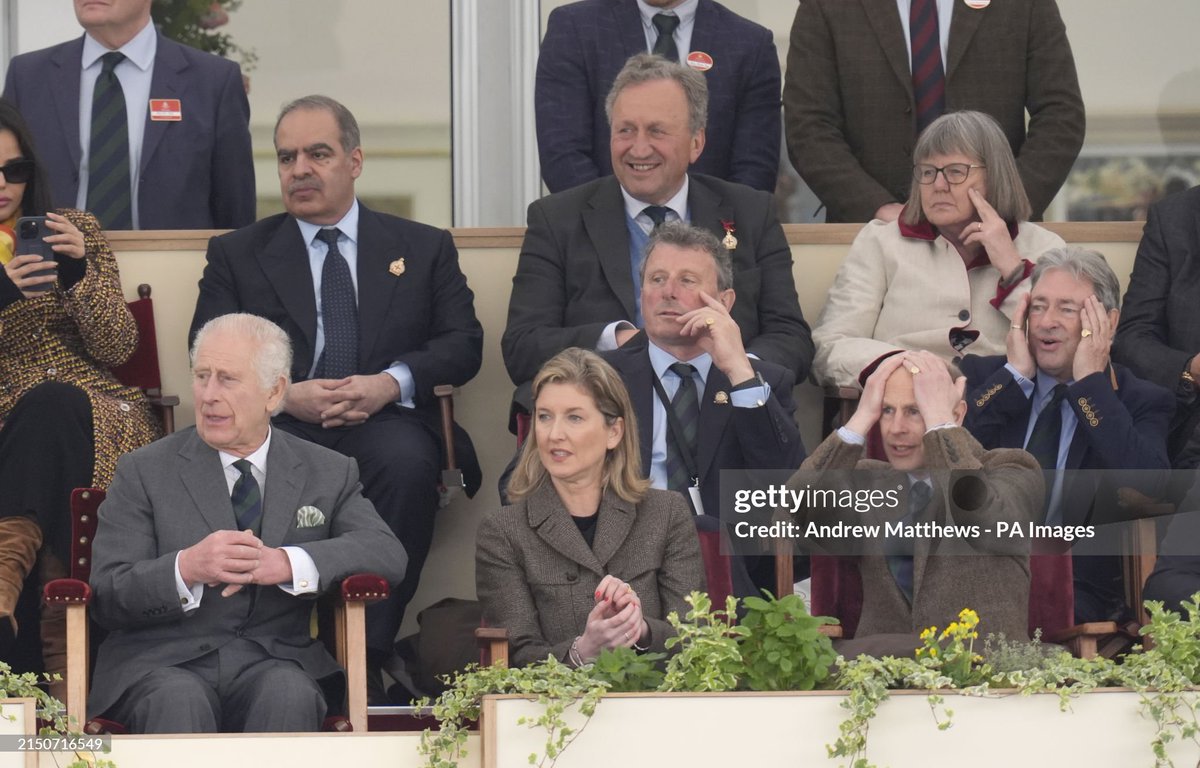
[
  {"x": 678, "y": 206},
  {"x": 1041, "y": 391},
  {"x": 135, "y": 73},
  {"x": 305, "y": 576},
  {"x": 686, "y": 11},
  {"x": 945, "y": 9},
  {"x": 661, "y": 361},
  {"x": 348, "y": 247}
]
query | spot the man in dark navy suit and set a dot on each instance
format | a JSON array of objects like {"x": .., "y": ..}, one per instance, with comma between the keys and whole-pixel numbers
[
  {"x": 744, "y": 412},
  {"x": 1057, "y": 395},
  {"x": 587, "y": 43},
  {"x": 190, "y": 165},
  {"x": 378, "y": 312}
]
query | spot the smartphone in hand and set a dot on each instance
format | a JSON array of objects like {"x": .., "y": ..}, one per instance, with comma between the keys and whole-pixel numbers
[{"x": 31, "y": 234}]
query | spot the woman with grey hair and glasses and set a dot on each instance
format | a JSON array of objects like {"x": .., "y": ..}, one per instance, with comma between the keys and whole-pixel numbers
[{"x": 949, "y": 274}]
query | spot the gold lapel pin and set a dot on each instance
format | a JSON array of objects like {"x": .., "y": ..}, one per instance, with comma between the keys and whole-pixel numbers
[
  {"x": 396, "y": 267},
  {"x": 721, "y": 399}
]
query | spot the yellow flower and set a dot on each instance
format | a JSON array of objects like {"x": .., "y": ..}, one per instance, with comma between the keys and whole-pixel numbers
[{"x": 933, "y": 651}]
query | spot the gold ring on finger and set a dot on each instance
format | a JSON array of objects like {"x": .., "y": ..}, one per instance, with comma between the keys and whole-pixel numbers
[
  {"x": 914, "y": 370},
  {"x": 1086, "y": 332},
  {"x": 709, "y": 321}
]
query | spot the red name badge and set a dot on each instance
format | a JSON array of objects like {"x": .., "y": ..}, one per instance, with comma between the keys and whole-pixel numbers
[
  {"x": 166, "y": 109},
  {"x": 700, "y": 61}
]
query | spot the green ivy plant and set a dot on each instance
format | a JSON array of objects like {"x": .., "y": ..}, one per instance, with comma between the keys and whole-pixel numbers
[
  {"x": 552, "y": 684},
  {"x": 708, "y": 657},
  {"x": 49, "y": 711}
]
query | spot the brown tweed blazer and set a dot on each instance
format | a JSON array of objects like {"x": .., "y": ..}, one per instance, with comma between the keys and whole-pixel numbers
[
  {"x": 848, "y": 97},
  {"x": 989, "y": 575},
  {"x": 537, "y": 578}
]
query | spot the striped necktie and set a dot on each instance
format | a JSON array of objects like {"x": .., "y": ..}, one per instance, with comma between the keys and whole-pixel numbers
[
  {"x": 246, "y": 498},
  {"x": 110, "y": 195},
  {"x": 686, "y": 406},
  {"x": 929, "y": 79}
]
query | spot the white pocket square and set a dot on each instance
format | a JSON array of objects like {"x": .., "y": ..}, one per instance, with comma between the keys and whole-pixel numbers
[{"x": 309, "y": 517}]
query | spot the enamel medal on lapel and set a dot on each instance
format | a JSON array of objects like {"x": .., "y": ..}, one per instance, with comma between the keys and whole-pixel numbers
[
  {"x": 730, "y": 242},
  {"x": 396, "y": 267}
]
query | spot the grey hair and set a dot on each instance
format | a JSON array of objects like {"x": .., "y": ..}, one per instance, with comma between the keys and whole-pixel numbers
[
  {"x": 647, "y": 67},
  {"x": 273, "y": 358},
  {"x": 1082, "y": 264},
  {"x": 683, "y": 235},
  {"x": 348, "y": 133},
  {"x": 978, "y": 136}
]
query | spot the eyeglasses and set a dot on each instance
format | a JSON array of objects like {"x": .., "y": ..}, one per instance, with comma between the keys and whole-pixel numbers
[
  {"x": 17, "y": 171},
  {"x": 955, "y": 173}
]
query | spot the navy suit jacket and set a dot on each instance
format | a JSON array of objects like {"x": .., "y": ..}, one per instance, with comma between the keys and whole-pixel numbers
[
  {"x": 196, "y": 173},
  {"x": 1121, "y": 428},
  {"x": 423, "y": 317},
  {"x": 728, "y": 437},
  {"x": 585, "y": 46}
]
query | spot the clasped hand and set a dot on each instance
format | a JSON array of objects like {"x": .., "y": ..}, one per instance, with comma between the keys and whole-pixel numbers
[
  {"x": 341, "y": 402},
  {"x": 233, "y": 558},
  {"x": 615, "y": 621}
]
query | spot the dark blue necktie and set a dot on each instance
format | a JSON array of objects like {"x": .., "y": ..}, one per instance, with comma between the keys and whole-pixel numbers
[
  {"x": 246, "y": 498},
  {"x": 339, "y": 313},
  {"x": 657, "y": 214},
  {"x": 686, "y": 406},
  {"x": 901, "y": 566},
  {"x": 110, "y": 193},
  {"x": 1047, "y": 430}
]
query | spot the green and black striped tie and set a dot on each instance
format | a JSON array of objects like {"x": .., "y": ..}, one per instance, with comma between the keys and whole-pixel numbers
[
  {"x": 109, "y": 190},
  {"x": 246, "y": 498}
]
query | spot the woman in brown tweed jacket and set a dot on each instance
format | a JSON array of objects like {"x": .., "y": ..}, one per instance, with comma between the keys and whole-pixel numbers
[
  {"x": 66, "y": 419},
  {"x": 587, "y": 557}
]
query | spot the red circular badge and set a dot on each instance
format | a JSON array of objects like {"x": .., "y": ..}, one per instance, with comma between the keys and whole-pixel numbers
[{"x": 700, "y": 60}]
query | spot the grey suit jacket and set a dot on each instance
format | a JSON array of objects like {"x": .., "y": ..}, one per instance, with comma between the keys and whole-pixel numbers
[
  {"x": 989, "y": 575},
  {"x": 171, "y": 494},
  {"x": 848, "y": 96},
  {"x": 537, "y": 578},
  {"x": 574, "y": 276}
]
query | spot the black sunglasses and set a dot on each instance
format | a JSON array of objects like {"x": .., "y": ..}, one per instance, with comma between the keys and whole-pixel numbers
[{"x": 17, "y": 171}]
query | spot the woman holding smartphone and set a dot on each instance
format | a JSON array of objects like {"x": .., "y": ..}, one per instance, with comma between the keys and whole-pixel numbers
[{"x": 66, "y": 419}]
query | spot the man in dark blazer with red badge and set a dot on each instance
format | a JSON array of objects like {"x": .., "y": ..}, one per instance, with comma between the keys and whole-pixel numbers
[
  {"x": 850, "y": 113},
  {"x": 188, "y": 121},
  {"x": 378, "y": 312},
  {"x": 586, "y": 44}
]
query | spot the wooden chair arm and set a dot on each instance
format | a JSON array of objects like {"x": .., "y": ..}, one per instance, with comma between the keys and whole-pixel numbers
[
  {"x": 350, "y": 639},
  {"x": 493, "y": 644}
]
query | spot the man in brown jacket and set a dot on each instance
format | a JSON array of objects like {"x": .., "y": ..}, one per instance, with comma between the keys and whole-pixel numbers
[
  {"x": 946, "y": 482},
  {"x": 850, "y": 113}
]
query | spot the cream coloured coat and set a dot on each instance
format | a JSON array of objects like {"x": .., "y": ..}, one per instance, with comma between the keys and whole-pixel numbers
[{"x": 896, "y": 292}]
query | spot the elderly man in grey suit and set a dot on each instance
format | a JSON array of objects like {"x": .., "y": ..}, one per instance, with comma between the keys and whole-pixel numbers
[{"x": 212, "y": 543}]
